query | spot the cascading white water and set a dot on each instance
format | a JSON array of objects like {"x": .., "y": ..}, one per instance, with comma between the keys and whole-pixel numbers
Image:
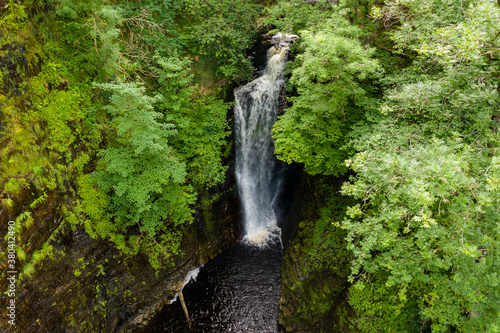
[
  {"x": 239, "y": 291},
  {"x": 256, "y": 165}
]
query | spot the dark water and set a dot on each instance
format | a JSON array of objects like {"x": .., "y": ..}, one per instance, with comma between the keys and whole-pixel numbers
[{"x": 238, "y": 291}]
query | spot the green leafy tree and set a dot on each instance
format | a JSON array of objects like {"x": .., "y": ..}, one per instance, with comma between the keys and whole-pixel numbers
[
  {"x": 297, "y": 15},
  {"x": 425, "y": 240},
  {"x": 329, "y": 78},
  {"x": 425, "y": 236},
  {"x": 221, "y": 32},
  {"x": 89, "y": 35},
  {"x": 200, "y": 121},
  {"x": 139, "y": 170}
]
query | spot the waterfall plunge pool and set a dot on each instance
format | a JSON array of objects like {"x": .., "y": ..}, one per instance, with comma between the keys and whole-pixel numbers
[{"x": 238, "y": 291}]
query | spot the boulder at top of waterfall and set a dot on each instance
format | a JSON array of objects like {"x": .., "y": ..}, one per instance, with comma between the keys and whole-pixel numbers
[{"x": 282, "y": 41}]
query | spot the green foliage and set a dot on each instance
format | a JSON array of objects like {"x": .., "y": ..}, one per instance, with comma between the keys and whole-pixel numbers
[
  {"x": 424, "y": 236},
  {"x": 448, "y": 33},
  {"x": 40, "y": 129},
  {"x": 221, "y": 32},
  {"x": 139, "y": 191},
  {"x": 145, "y": 180},
  {"x": 423, "y": 233},
  {"x": 200, "y": 122},
  {"x": 58, "y": 109},
  {"x": 427, "y": 231},
  {"x": 297, "y": 15},
  {"x": 92, "y": 26},
  {"x": 15, "y": 17},
  {"x": 150, "y": 26},
  {"x": 330, "y": 97},
  {"x": 327, "y": 244},
  {"x": 94, "y": 203}
]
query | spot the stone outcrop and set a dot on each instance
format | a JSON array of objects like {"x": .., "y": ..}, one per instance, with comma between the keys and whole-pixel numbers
[
  {"x": 283, "y": 41},
  {"x": 313, "y": 298},
  {"x": 87, "y": 285}
]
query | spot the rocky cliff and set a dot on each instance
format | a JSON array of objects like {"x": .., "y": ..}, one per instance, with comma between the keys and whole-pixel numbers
[
  {"x": 87, "y": 285},
  {"x": 314, "y": 296}
]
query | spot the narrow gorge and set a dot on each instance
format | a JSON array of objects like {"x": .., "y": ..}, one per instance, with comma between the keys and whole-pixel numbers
[{"x": 340, "y": 176}]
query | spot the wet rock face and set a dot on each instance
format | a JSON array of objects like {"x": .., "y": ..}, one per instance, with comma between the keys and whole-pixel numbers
[
  {"x": 87, "y": 285},
  {"x": 313, "y": 298},
  {"x": 15, "y": 65}
]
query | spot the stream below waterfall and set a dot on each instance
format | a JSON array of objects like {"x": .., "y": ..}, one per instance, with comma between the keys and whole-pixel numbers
[{"x": 239, "y": 291}]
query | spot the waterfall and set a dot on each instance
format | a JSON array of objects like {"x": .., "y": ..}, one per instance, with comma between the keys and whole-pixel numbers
[{"x": 257, "y": 169}]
